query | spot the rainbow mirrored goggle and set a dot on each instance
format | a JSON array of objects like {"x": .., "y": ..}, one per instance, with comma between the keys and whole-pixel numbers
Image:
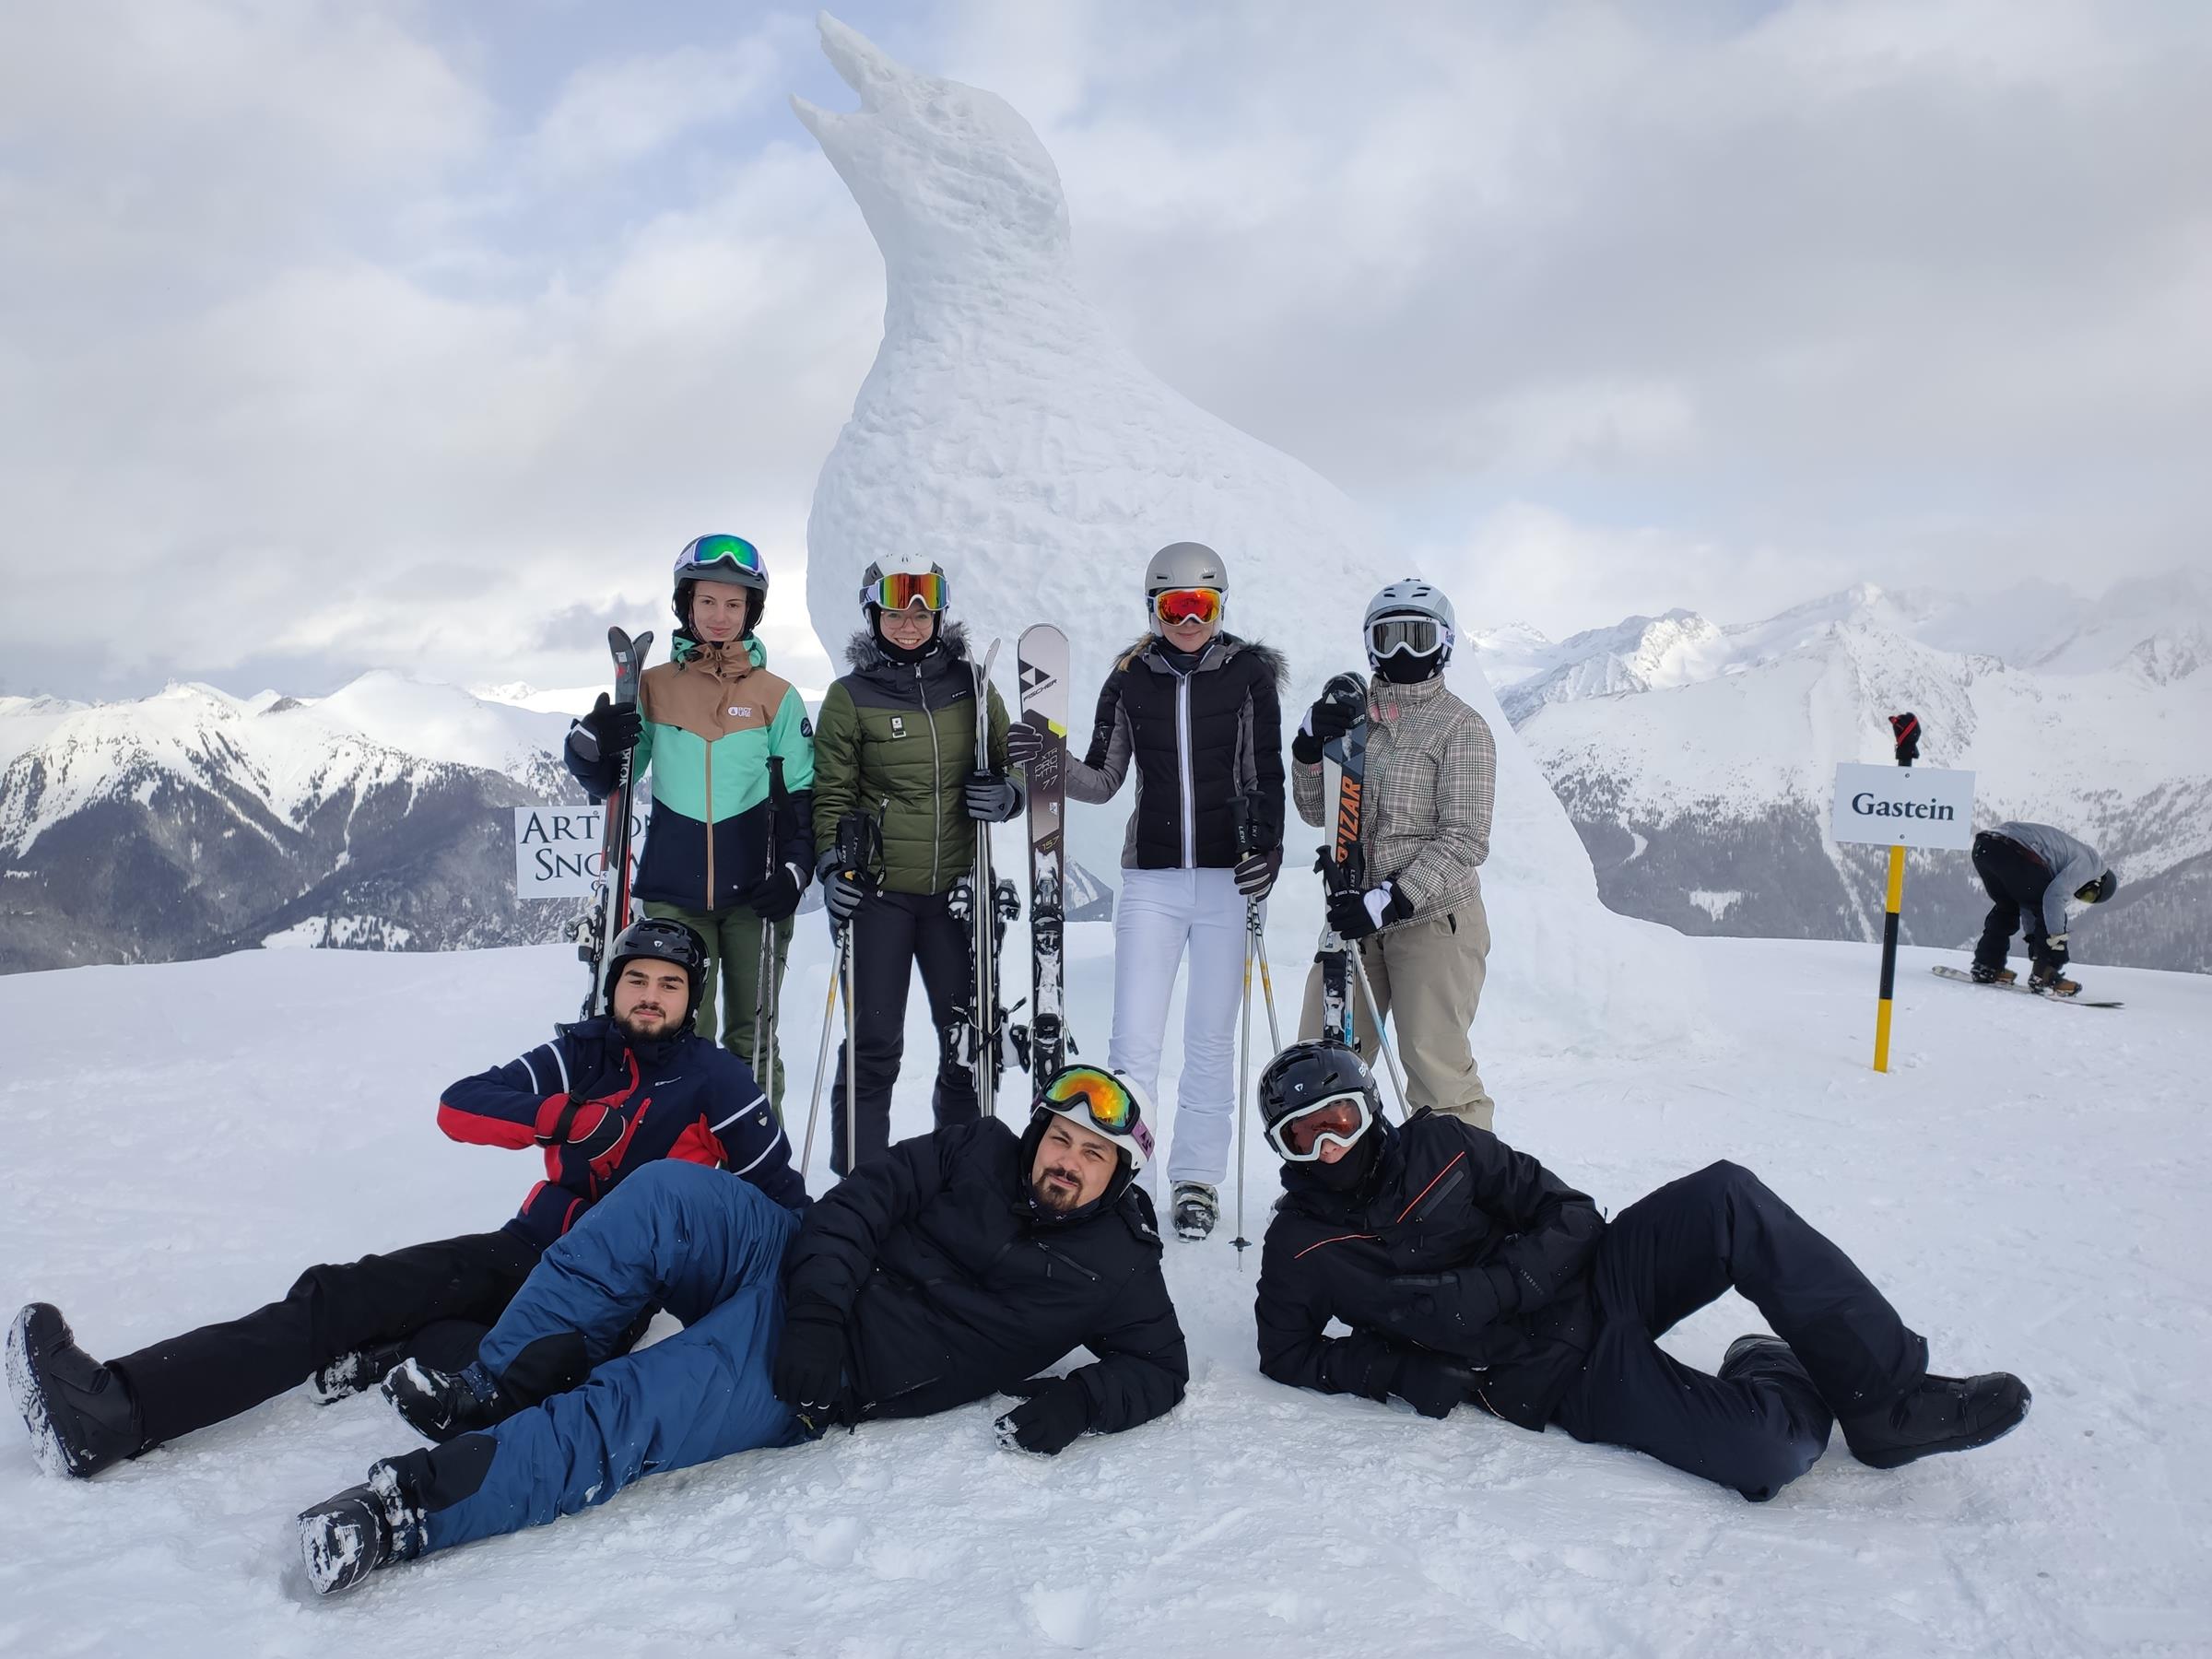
[
  {"x": 1098, "y": 1095},
  {"x": 1339, "y": 1119},
  {"x": 927, "y": 589},
  {"x": 1188, "y": 604},
  {"x": 723, "y": 552},
  {"x": 1421, "y": 635}
]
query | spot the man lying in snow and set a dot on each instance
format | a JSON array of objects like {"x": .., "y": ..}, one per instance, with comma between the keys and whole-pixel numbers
[
  {"x": 1469, "y": 1271},
  {"x": 605, "y": 1097},
  {"x": 957, "y": 1266}
]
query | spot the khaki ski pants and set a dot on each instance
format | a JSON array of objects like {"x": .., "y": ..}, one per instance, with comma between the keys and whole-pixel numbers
[{"x": 1428, "y": 977}]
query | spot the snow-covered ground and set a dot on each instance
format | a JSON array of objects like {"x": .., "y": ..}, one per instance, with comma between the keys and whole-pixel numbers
[{"x": 2028, "y": 1183}]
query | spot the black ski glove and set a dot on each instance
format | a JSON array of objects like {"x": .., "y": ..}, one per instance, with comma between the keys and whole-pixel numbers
[
  {"x": 593, "y": 1127},
  {"x": 1054, "y": 1411},
  {"x": 1464, "y": 1300},
  {"x": 1327, "y": 719},
  {"x": 777, "y": 897},
  {"x": 2060, "y": 956},
  {"x": 1255, "y": 872},
  {"x": 991, "y": 799},
  {"x": 1025, "y": 742},
  {"x": 1356, "y": 915},
  {"x": 810, "y": 1361},
  {"x": 844, "y": 888},
  {"x": 609, "y": 729},
  {"x": 1433, "y": 1385}
]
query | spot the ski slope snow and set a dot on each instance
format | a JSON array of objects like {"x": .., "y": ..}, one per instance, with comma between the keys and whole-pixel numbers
[{"x": 2027, "y": 1183}]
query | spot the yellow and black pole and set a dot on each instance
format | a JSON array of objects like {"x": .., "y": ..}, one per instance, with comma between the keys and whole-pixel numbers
[{"x": 1906, "y": 727}]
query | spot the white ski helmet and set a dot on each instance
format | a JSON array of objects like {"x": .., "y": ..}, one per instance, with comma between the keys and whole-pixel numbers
[
  {"x": 1183, "y": 565},
  {"x": 895, "y": 581},
  {"x": 1108, "y": 1103},
  {"x": 1394, "y": 617}
]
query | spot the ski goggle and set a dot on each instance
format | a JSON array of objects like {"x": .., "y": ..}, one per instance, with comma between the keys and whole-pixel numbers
[
  {"x": 1338, "y": 1120},
  {"x": 1098, "y": 1095},
  {"x": 1421, "y": 635},
  {"x": 725, "y": 555},
  {"x": 1188, "y": 604},
  {"x": 927, "y": 589}
]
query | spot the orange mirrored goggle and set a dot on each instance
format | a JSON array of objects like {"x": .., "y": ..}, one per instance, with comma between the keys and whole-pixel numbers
[
  {"x": 1188, "y": 604},
  {"x": 927, "y": 589}
]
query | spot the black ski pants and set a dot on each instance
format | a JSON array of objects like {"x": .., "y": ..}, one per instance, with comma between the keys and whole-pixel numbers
[
  {"x": 437, "y": 1300},
  {"x": 1757, "y": 1430},
  {"x": 892, "y": 934},
  {"x": 2016, "y": 880}
]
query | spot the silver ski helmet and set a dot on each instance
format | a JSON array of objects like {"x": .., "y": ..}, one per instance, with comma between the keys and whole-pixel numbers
[
  {"x": 1185, "y": 564},
  {"x": 1409, "y": 617},
  {"x": 725, "y": 559},
  {"x": 901, "y": 581},
  {"x": 661, "y": 941}
]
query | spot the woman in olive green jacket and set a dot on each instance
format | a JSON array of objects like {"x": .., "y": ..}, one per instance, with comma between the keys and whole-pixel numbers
[{"x": 896, "y": 740}]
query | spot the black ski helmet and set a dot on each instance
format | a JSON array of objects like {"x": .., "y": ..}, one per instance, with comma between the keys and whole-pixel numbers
[
  {"x": 1308, "y": 1072},
  {"x": 2101, "y": 890},
  {"x": 662, "y": 941},
  {"x": 726, "y": 558}
]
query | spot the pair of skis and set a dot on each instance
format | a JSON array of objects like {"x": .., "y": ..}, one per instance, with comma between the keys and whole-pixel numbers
[
  {"x": 609, "y": 913},
  {"x": 1343, "y": 865}
]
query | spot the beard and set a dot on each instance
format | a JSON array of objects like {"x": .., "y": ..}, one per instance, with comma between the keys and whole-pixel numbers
[
  {"x": 1059, "y": 1199},
  {"x": 647, "y": 1024}
]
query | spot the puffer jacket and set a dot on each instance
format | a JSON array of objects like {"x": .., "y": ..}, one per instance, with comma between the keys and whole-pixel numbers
[
  {"x": 1200, "y": 740},
  {"x": 952, "y": 1285},
  {"x": 897, "y": 740},
  {"x": 1425, "y": 810},
  {"x": 714, "y": 717},
  {"x": 1509, "y": 1242}
]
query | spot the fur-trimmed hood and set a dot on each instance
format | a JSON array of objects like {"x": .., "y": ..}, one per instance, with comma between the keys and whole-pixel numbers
[
  {"x": 1230, "y": 644},
  {"x": 863, "y": 651}
]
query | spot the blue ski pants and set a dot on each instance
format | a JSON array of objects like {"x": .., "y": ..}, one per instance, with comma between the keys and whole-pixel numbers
[{"x": 701, "y": 1243}]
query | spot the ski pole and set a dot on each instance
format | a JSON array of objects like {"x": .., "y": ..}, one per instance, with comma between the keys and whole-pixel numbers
[
  {"x": 1397, "y": 1077},
  {"x": 851, "y": 1060},
  {"x": 821, "y": 1058},
  {"x": 1258, "y": 926},
  {"x": 1252, "y": 911},
  {"x": 764, "y": 982}
]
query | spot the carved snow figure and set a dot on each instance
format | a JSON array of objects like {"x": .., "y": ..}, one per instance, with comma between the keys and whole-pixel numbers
[{"x": 1005, "y": 432}]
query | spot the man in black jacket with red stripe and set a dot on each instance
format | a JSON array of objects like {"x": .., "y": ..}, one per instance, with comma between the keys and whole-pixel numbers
[
  {"x": 606, "y": 1095},
  {"x": 1469, "y": 1271}
]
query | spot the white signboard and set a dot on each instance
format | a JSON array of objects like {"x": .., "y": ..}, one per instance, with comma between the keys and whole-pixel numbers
[
  {"x": 557, "y": 849},
  {"x": 1903, "y": 805}
]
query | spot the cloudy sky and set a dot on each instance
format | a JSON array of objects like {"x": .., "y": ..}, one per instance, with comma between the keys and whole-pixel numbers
[{"x": 383, "y": 333}]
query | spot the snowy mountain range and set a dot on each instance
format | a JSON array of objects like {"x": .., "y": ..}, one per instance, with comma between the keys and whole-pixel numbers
[
  {"x": 194, "y": 822},
  {"x": 1697, "y": 758}
]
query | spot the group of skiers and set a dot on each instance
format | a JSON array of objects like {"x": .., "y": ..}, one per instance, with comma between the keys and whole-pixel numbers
[{"x": 967, "y": 1261}]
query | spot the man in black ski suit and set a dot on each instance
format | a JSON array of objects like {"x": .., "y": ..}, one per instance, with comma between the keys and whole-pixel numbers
[
  {"x": 1469, "y": 1271},
  {"x": 959, "y": 1265},
  {"x": 606, "y": 1095}
]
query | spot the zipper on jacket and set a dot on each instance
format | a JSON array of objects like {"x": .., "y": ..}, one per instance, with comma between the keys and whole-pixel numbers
[
  {"x": 1065, "y": 1260},
  {"x": 710, "y": 905},
  {"x": 936, "y": 780},
  {"x": 1183, "y": 756}
]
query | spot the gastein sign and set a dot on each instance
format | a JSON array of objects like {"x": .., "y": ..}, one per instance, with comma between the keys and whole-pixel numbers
[{"x": 1903, "y": 807}]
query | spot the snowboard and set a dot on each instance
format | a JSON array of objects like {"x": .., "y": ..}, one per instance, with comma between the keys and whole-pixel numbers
[
  {"x": 1968, "y": 979},
  {"x": 1041, "y": 656}
]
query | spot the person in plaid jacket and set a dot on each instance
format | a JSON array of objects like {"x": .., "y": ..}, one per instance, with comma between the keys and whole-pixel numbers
[{"x": 1425, "y": 825}]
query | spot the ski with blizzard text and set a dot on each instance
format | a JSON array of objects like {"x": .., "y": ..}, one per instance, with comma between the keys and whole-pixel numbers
[{"x": 1342, "y": 863}]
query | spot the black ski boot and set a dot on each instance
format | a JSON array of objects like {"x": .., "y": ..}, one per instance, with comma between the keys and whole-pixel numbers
[
  {"x": 1196, "y": 1207},
  {"x": 81, "y": 1414},
  {"x": 1990, "y": 976},
  {"x": 442, "y": 1405},
  {"x": 351, "y": 1374},
  {"x": 344, "y": 1538},
  {"x": 1939, "y": 1414}
]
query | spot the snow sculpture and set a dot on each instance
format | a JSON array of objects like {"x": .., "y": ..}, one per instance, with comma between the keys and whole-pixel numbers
[{"x": 1003, "y": 430}]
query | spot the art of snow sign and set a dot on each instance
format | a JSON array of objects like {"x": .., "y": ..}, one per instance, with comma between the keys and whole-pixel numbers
[
  {"x": 1903, "y": 805},
  {"x": 557, "y": 849}
]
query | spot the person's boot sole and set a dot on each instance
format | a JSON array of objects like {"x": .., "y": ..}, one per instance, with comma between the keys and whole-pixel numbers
[
  {"x": 340, "y": 1542},
  {"x": 28, "y": 1392},
  {"x": 1902, "y": 1455}
]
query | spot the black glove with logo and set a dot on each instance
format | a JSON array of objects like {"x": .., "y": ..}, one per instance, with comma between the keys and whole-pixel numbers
[
  {"x": 1433, "y": 1385},
  {"x": 990, "y": 798},
  {"x": 1464, "y": 1298},
  {"x": 1328, "y": 717},
  {"x": 777, "y": 897},
  {"x": 1053, "y": 1413},
  {"x": 1025, "y": 742},
  {"x": 844, "y": 888},
  {"x": 1255, "y": 872},
  {"x": 1356, "y": 915},
  {"x": 609, "y": 729},
  {"x": 810, "y": 1360}
]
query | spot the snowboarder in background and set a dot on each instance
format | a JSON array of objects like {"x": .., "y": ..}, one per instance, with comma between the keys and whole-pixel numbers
[
  {"x": 2031, "y": 870},
  {"x": 1469, "y": 1271},
  {"x": 1198, "y": 713},
  {"x": 897, "y": 740},
  {"x": 584, "y": 1098},
  {"x": 956, "y": 1268},
  {"x": 1419, "y": 926},
  {"x": 708, "y": 722}
]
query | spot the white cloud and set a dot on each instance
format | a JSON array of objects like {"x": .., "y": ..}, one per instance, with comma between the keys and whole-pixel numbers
[{"x": 610, "y": 115}]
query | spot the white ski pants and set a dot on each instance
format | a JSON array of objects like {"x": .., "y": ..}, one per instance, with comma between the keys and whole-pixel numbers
[{"x": 1161, "y": 914}]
